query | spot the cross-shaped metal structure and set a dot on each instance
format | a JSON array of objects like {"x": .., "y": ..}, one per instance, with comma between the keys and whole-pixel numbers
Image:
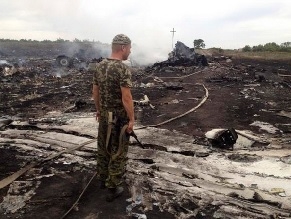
[{"x": 173, "y": 31}]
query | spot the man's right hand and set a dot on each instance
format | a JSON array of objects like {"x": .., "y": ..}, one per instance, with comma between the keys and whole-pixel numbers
[
  {"x": 130, "y": 127},
  {"x": 97, "y": 115}
]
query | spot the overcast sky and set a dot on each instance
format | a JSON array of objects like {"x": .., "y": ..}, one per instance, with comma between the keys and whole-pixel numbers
[{"x": 226, "y": 24}]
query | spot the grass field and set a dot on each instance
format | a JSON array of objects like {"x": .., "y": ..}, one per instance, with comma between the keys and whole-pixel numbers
[
  {"x": 283, "y": 56},
  {"x": 259, "y": 55}
]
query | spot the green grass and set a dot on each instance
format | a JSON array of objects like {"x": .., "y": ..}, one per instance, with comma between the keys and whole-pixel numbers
[
  {"x": 259, "y": 55},
  {"x": 266, "y": 55}
]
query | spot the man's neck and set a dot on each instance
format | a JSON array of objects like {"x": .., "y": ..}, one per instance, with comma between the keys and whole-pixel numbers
[{"x": 116, "y": 57}]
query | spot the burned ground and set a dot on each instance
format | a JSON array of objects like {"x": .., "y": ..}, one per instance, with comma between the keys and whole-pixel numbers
[{"x": 42, "y": 100}]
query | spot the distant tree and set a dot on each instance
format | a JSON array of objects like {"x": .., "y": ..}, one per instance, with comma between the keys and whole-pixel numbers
[
  {"x": 271, "y": 47},
  {"x": 285, "y": 47},
  {"x": 77, "y": 40},
  {"x": 60, "y": 40},
  {"x": 46, "y": 41},
  {"x": 258, "y": 48},
  {"x": 247, "y": 48},
  {"x": 286, "y": 44},
  {"x": 199, "y": 43},
  {"x": 8, "y": 40}
]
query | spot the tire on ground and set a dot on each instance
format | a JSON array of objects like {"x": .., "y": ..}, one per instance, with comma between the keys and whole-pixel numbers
[{"x": 64, "y": 61}]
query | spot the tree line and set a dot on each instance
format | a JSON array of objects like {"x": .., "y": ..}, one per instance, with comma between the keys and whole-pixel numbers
[
  {"x": 270, "y": 47},
  {"x": 59, "y": 40},
  {"x": 198, "y": 44}
]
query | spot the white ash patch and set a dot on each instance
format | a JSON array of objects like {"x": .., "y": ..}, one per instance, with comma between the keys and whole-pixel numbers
[
  {"x": 18, "y": 194},
  {"x": 266, "y": 127}
]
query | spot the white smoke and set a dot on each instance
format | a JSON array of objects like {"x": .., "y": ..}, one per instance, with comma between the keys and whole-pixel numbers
[
  {"x": 3, "y": 62},
  {"x": 144, "y": 56}
]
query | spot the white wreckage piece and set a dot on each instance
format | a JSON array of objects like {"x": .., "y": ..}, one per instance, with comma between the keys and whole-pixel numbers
[
  {"x": 145, "y": 101},
  {"x": 7, "y": 71},
  {"x": 245, "y": 139}
]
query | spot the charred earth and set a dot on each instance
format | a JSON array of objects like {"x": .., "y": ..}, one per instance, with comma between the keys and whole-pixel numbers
[{"x": 48, "y": 131}]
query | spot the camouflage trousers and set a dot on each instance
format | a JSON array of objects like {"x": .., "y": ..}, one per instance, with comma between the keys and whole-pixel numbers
[{"x": 109, "y": 168}]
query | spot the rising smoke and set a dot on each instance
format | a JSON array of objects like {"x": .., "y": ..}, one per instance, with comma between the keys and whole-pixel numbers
[
  {"x": 141, "y": 56},
  {"x": 83, "y": 51}
]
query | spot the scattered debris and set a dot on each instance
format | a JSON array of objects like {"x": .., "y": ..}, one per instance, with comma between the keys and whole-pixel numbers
[
  {"x": 181, "y": 56},
  {"x": 4, "y": 122},
  {"x": 222, "y": 138},
  {"x": 173, "y": 86},
  {"x": 49, "y": 112},
  {"x": 266, "y": 127}
]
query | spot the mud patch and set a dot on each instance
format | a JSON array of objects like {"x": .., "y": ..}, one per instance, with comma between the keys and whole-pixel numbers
[
  {"x": 244, "y": 158},
  {"x": 7, "y": 154}
]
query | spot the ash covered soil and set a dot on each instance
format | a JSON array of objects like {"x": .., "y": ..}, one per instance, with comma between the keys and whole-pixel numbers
[{"x": 178, "y": 175}]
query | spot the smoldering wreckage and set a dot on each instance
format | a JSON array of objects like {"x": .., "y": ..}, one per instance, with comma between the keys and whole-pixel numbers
[{"x": 215, "y": 134}]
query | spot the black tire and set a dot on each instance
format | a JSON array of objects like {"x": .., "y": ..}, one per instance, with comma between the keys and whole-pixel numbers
[{"x": 64, "y": 61}]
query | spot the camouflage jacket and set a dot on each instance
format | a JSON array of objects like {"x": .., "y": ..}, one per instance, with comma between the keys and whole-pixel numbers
[{"x": 109, "y": 76}]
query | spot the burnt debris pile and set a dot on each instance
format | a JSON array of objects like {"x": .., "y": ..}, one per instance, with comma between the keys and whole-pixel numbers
[{"x": 182, "y": 55}]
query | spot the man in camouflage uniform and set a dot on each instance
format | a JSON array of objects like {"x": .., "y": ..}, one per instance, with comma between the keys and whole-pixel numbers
[{"x": 112, "y": 94}]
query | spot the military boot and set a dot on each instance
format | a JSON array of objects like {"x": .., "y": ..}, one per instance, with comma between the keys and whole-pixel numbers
[
  {"x": 101, "y": 184},
  {"x": 114, "y": 193}
]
